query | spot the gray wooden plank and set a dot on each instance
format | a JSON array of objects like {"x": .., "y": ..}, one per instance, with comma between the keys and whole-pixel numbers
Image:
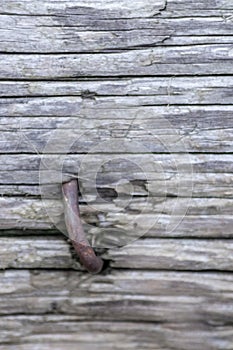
[
  {"x": 128, "y": 175},
  {"x": 36, "y": 35},
  {"x": 132, "y": 215},
  {"x": 194, "y": 60},
  {"x": 93, "y": 122},
  {"x": 164, "y": 25},
  {"x": 54, "y": 34},
  {"x": 196, "y": 226},
  {"x": 170, "y": 91},
  {"x": 209, "y": 185},
  {"x": 130, "y": 307},
  {"x": 106, "y": 109},
  {"x": 121, "y": 9},
  {"x": 19, "y": 213},
  {"x": 148, "y": 254},
  {"x": 215, "y": 140},
  {"x": 32, "y": 253},
  {"x": 23, "y": 208},
  {"x": 200, "y": 4},
  {"x": 55, "y": 331},
  {"x": 198, "y": 39},
  {"x": 171, "y": 163},
  {"x": 152, "y": 164},
  {"x": 109, "y": 8},
  {"x": 183, "y": 298},
  {"x": 200, "y": 226},
  {"x": 144, "y": 283},
  {"x": 145, "y": 254}
]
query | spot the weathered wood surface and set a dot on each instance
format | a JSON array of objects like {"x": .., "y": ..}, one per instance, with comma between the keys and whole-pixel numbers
[
  {"x": 200, "y": 226},
  {"x": 155, "y": 129},
  {"x": 166, "y": 90},
  {"x": 159, "y": 73},
  {"x": 174, "y": 174},
  {"x": 55, "y": 330},
  {"x": 88, "y": 8},
  {"x": 212, "y": 217},
  {"x": 145, "y": 254},
  {"x": 166, "y": 61},
  {"x": 203, "y": 185},
  {"x": 149, "y": 309},
  {"x": 56, "y": 34},
  {"x": 71, "y": 292}
]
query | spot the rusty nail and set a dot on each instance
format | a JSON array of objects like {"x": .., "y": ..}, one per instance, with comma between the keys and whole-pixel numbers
[{"x": 88, "y": 258}]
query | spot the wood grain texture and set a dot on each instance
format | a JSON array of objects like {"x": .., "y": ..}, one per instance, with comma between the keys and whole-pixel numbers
[
  {"x": 174, "y": 175},
  {"x": 196, "y": 226},
  {"x": 169, "y": 91},
  {"x": 160, "y": 74},
  {"x": 209, "y": 185},
  {"x": 139, "y": 308},
  {"x": 145, "y": 254},
  {"x": 146, "y": 296},
  {"x": 162, "y": 216},
  {"x": 151, "y": 128},
  {"x": 140, "y": 8},
  {"x": 85, "y": 8},
  {"x": 56, "y": 34},
  {"x": 56, "y": 331},
  {"x": 165, "y": 61}
]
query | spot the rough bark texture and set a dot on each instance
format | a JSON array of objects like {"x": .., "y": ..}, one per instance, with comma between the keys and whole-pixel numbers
[{"x": 151, "y": 81}]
